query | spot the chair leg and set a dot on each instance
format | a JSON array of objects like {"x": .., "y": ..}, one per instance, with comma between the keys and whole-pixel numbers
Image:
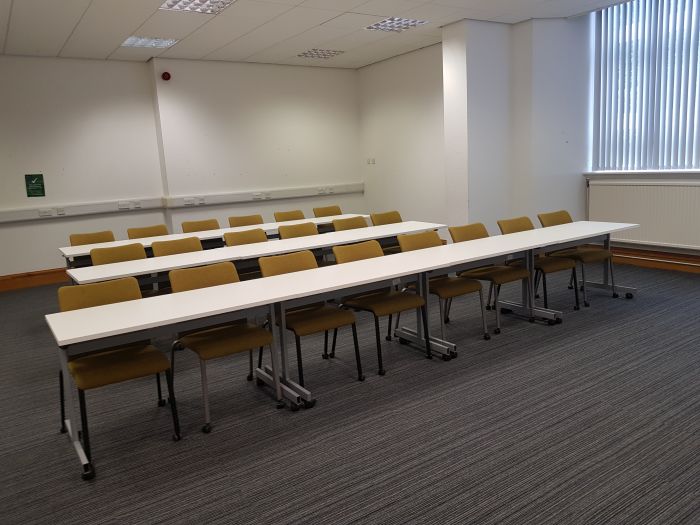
[
  {"x": 575, "y": 287},
  {"x": 388, "y": 329},
  {"x": 63, "y": 402},
  {"x": 544, "y": 289},
  {"x": 249, "y": 377},
  {"x": 161, "y": 401},
  {"x": 583, "y": 286},
  {"x": 205, "y": 396},
  {"x": 488, "y": 303},
  {"x": 497, "y": 330},
  {"x": 571, "y": 280},
  {"x": 424, "y": 315},
  {"x": 495, "y": 299},
  {"x": 378, "y": 336},
  {"x": 487, "y": 336},
  {"x": 85, "y": 434},
  {"x": 260, "y": 357},
  {"x": 612, "y": 278},
  {"x": 169, "y": 374},
  {"x": 442, "y": 318},
  {"x": 538, "y": 274},
  {"x": 360, "y": 376},
  {"x": 335, "y": 337},
  {"x": 325, "y": 345},
  {"x": 300, "y": 367},
  {"x": 396, "y": 323}
]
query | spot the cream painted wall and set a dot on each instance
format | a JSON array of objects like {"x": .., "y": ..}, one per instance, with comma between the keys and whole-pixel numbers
[{"x": 402, "y": 129}]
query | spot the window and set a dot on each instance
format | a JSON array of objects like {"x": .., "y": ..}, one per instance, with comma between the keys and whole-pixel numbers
[{"x": 647, "y": 86}]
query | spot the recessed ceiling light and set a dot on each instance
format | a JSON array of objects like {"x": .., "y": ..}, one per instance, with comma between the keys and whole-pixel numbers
[
  {"x": 207, "y": 7},
  {"x": 320, "y": 53},
  {"x": 144, "y": 41},
  {"x": 396, "y": 24}
]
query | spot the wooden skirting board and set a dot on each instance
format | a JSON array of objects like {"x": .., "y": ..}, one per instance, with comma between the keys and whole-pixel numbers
[{"x": 32, "y": 279}]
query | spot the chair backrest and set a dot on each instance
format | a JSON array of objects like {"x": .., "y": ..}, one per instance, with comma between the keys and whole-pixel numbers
[
  {"x": 327, "y": 211},
  {"x": 245, "y": 220},
  {"x": 185, "y": 279},
  {"x": 293, "y": 215},
  {"x": 389, "y": 217},
  {"x": 245, "y": 237},
  {"x": 349, "y": 224},
  {"x": 147, "y": 231},
  {"x": 200, "y": 226},
  {"x": 357, "y": 252},
  {"x": 297, "y": 230},
  {"x": 468, "y": 232},
  {"x": 518, "y": 224},
  {"x": 127, "y": 252},
  {"x": 80, "y": 239},
  {"x": 554, "y": 218},
  {"x": 188, "y": 244},
  {"x": 419, "y": 241},
  {"x": 97, "y": 294},
  {"x": 287, "y": 263}
]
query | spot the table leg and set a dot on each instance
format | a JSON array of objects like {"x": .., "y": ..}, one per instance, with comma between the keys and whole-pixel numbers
[
  {"x": 69, "y": 403},
  {"x": 607, "y": 284}
]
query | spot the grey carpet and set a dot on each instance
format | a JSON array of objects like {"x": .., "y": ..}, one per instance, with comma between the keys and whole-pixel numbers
[{"x": 596, "y": 420}]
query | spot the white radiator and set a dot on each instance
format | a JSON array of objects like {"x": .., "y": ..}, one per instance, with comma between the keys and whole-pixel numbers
[{"x": 668, "y": 212}]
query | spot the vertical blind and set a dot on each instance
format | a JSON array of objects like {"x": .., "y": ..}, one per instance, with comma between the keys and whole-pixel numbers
[{"x": 647, "y": 86}]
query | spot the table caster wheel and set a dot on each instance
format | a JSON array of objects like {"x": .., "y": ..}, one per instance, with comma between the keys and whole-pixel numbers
[
  {"x": 487, "y": 307},
  {"x": 63, "y": 429},
  {"x": 361, "y": 378},
  {"x": 629, "y": 295},
  {"x": 206, "y": 428},
  {"x": 381, "y": 372},
  {"x": 576, "y": 308},
  {"x": 177, "y": 437},
  {"x": 388, "y": 338},
  {"x": 249, "y": 377},
  {"x": 551, "y": 322},
  {"x": 324, "y": 356},
  {"x": 428, "y": 356},
  {"x": 559, "y": 320},
  {"x": 309, "y": 404},
  {"x": 280, "y": 405},
  {"x": 294, "y": 407},
  {"x": 332, "y": 355},
  {"x": 497, "y": 331},
  {"x": 447, "y": 320},
  {"x": 161, "y": 402},
  {"x": 445, "y": 357},
  {"x": 487, "y": 336},
  {"x": 586, "y": 304},
  {"x": 403, "y": 341},
  {"x": 531, "y": 319},
  {"x": 616, "y": 295},
  {"x": 88, "y": 472},
  {"x": 537, "y": 296},
  {"x": 259, "y": 382},
  {"x": 506, "y": 310},
  {"x": 571, "y": 287}
]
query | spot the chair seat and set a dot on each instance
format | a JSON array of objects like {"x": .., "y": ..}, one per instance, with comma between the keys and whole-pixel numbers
[
  {"x": 115, "y": 366},
  {"x": 314, "y": 320},
  {"x": 390, "y": 250},
  {"x": 226, "y": 340},
  {"x": 497, "y": 274},
  {"x": 386, "y": 303},
  {"x": 554, "y": 264},
  {"x": 584, "y": 254},
  {"x": 448, "y": 287}
]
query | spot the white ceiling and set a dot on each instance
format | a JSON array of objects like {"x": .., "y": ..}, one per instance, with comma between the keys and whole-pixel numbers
[{"x": 271, "y": 31}]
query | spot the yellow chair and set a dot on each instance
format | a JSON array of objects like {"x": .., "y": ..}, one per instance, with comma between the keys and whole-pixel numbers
[
  {"x": 543, "y": 264},
  {"x": 582, "y": 254},
  {"x": 495, "y": 275},
  {"x": 221, "y": 340},
  {"x": 245, "y": 220},
  {"x": 81, "y": 239},
  {"x": 327, "y": 211},
  {"x": 200, "y": 226},
  {"x": 127, "y": 252},
  {"x": 445, "y": 287},
  {"x": 147, "y": 231},
  {"x": 293, "y": 215},
  {"x": 314, "y": 318},
  {"x": 186, "y": 245},
  {"x": 390, "y": 217},
  {"x": 351, "y": 223},
  {"x": 114, "y": 365},
  {"x": 383, "y": 302},
  {"x": 297, "y": 230},
  {"x": 245, "y": 237}
]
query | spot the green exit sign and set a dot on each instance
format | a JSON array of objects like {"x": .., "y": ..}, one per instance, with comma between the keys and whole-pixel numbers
[{"x": 35, "y": 185}]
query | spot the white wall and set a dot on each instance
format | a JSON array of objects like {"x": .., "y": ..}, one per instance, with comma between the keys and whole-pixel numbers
[{"x": 402, "y": 129}]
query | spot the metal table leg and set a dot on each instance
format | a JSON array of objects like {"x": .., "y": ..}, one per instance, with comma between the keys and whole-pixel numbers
[{"x": 607, "y": 284}]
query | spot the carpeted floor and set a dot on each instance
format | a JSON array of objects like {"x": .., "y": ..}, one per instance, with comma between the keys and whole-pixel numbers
[{"x": 596, "y": 420}]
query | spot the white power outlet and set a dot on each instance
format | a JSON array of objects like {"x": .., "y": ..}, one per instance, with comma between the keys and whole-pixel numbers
[{"x": 46, "y": 212}]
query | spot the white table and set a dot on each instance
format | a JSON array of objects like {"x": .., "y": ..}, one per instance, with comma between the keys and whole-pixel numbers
[
  {"x": 270, "y": 228},
  {"x": 153, "y": 265}
]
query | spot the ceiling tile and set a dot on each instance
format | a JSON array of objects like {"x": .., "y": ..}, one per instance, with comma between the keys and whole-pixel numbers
[
  {"x": 41, "y": 27},
  {"x": 335, "y": 5},
  {"x": 141, "y": 54},
  {"x": 171, "y": 24},
  {"x": 316, "y": 37},
  {"x": 388, "y": 8},
  {"x": 353, "y": 21}
]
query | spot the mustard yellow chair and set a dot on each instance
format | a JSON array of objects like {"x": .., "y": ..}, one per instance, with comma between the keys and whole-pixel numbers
[
  {"x": 81, "y": 239},
  {"x": 544, "y": 264},
  {"x": 351, "y": 223},
  {"x": 115, "y": 254},
  {"x": 293, "y": 215},
  {"x": 314, "y": 318},
  {"x": 147, "y": 231},
  {"x": 245, "y": 237},
  {"x": 327, "y": 211},
  {"x": 297, "y": 230},
  {"x": 581, "y": 254},
  {"x": 220, "y": 341},
  {"x": 383, "y": 302},
  {"x": 389, "y": 217},
  {"x": 186, "y": 245},
  {"x": 200, "y": 226},
  {"x": 245, "y": 220},
  {"x": 444, "y": 287},
  {"x": 495, "y": 275},
  {"x": 114, "y": 365}
]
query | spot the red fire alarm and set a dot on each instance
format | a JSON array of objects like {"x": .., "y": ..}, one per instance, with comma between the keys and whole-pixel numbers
[{"x": 165, "y": 75}]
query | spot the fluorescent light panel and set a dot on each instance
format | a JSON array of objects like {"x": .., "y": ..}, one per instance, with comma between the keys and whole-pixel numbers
[
  {"x": 207, "y": 7},
  {"x": 320, "y": 53},
  {"x": 145, "y": 41},
  {"x": 396, "y": 24}
]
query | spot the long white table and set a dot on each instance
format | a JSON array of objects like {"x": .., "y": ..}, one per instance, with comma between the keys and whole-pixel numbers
[
  {"x": 105, "y": 326},
  {"x": 270, "y": 228},
  {"x": 92, "y": 274}
]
